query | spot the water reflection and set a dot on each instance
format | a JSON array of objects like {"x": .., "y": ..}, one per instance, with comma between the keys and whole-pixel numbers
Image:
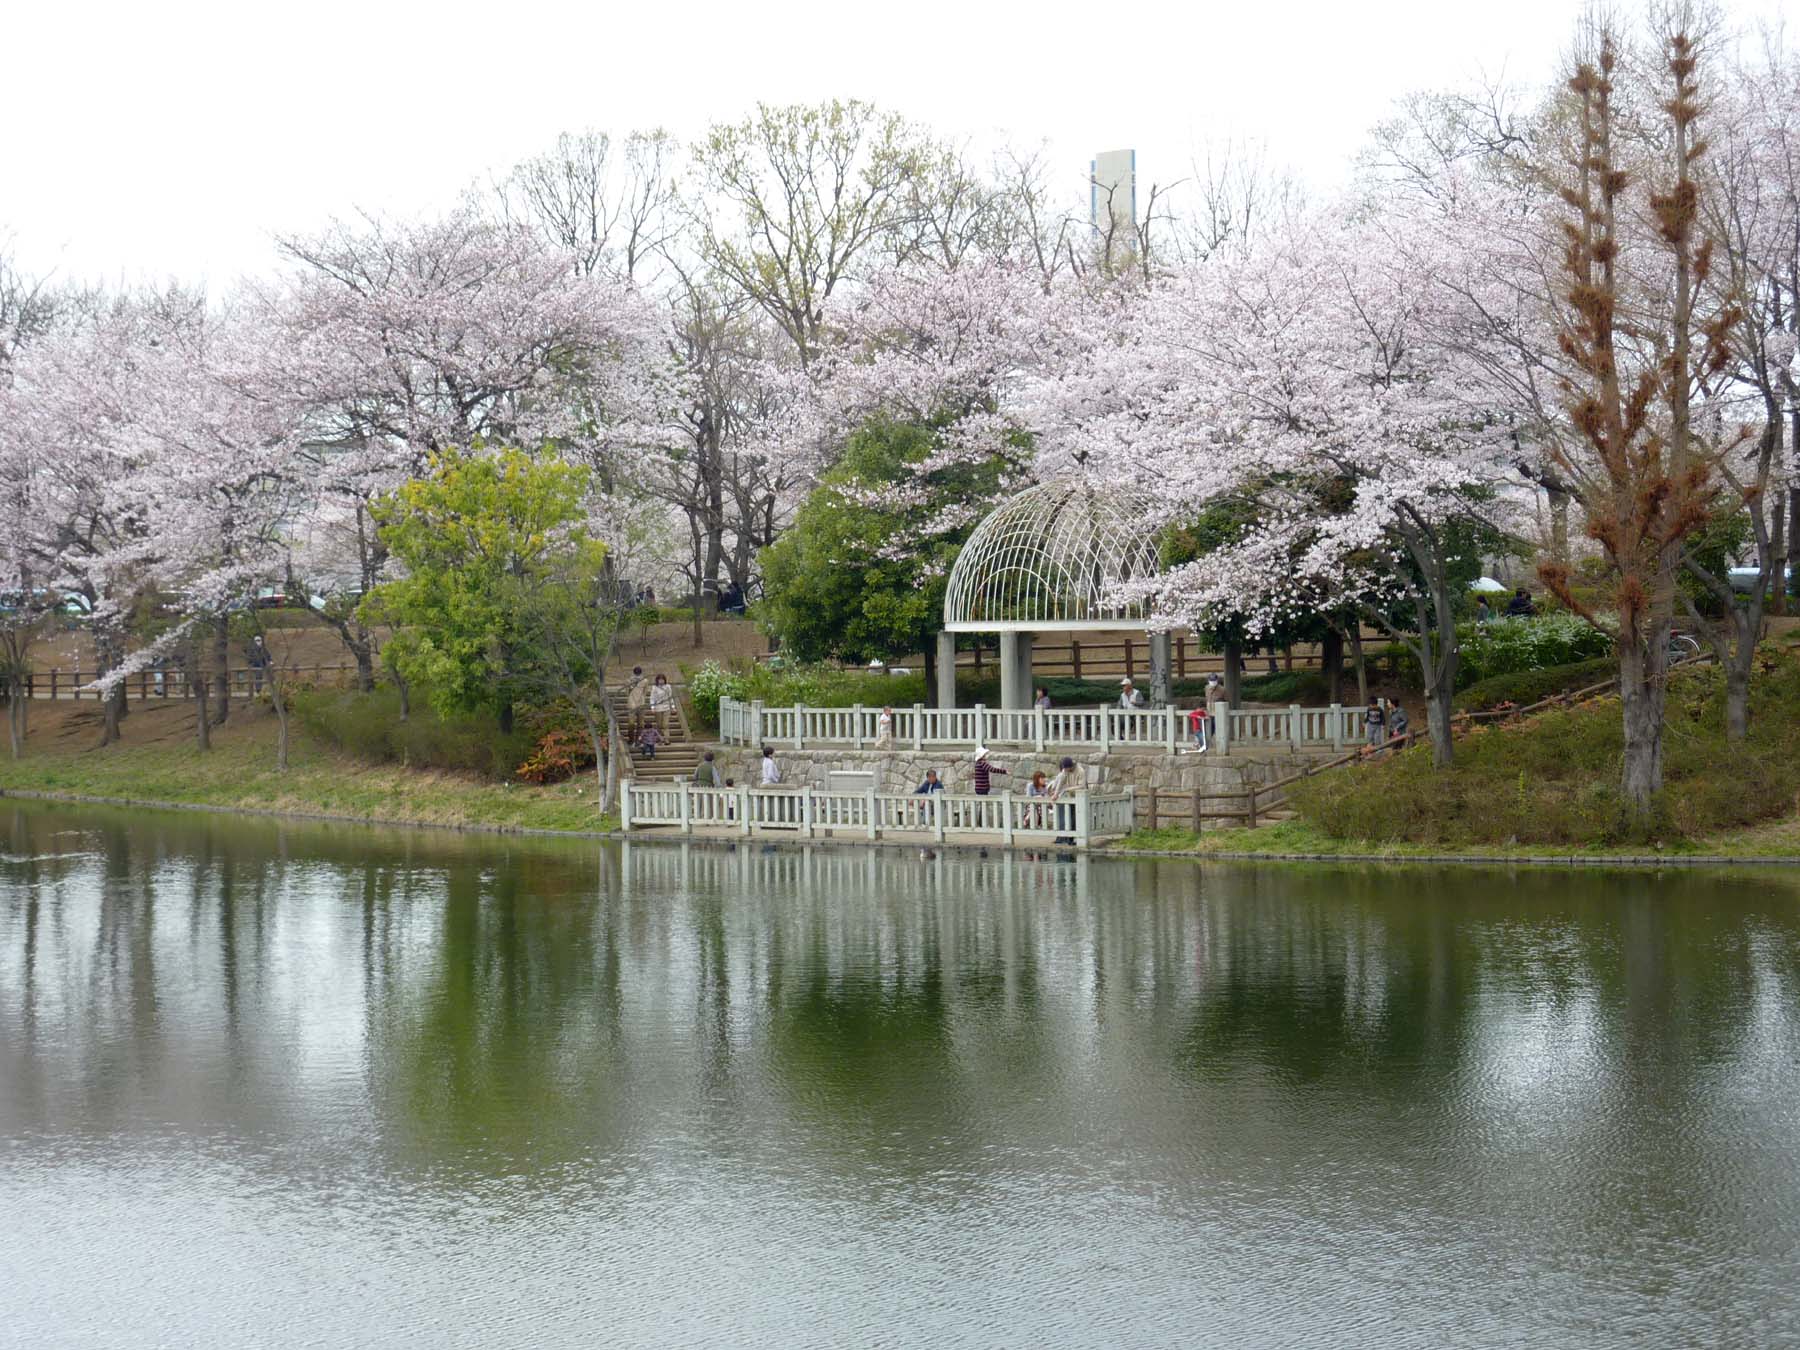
[{"x": 816, "y": 1095}]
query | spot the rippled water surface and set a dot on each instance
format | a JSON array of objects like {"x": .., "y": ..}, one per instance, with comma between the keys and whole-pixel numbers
[{"x": 275, "y": 1086}]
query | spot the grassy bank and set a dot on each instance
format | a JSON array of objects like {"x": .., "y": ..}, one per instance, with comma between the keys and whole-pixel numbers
[
  {"x": 1299, "y": 838},
  {"x": 157, "y": 762},
  {"x": 1549, "y": 787}
]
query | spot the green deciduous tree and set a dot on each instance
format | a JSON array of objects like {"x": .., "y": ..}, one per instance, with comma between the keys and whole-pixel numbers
[
  {"x": 862, "y": 571},
  {"x": 488, "y": 542}
]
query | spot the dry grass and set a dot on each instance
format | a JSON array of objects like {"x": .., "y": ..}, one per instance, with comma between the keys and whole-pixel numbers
[{"x": 157, "y": 761}]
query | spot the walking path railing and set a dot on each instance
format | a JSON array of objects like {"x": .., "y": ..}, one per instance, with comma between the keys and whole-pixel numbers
[
  {"x": 919, "y": 728},
  {"x": 1085, "y": 816}
]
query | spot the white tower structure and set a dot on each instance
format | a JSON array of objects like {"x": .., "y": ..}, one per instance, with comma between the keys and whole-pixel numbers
[{"x": 1112, "y": 188}]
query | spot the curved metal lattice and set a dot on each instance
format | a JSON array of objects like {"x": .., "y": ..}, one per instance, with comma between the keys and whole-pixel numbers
[{"x": 1048, "y": 559}]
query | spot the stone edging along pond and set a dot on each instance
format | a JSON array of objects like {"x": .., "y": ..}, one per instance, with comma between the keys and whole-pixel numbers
[{"x": 1237, "y": 855}]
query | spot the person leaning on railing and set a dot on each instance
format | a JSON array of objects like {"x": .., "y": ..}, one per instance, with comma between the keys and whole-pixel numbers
[{"x": 1066, "y": 784}]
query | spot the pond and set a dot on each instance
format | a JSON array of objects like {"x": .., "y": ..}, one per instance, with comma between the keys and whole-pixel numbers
[{"x": 275, "y": 1085}]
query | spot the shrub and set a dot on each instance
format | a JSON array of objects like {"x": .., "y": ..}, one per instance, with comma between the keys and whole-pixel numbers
[
  {"x": 1508, "y": 646},
  {"x": 1528, "y": 686},
  {"x": 368, "y": 726},
  {"x": 706, "y": 686},
  {"x": 559, "y": 755}
]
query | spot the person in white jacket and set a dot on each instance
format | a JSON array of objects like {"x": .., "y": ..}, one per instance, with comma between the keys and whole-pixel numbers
[{"x": 771, "y": 771}]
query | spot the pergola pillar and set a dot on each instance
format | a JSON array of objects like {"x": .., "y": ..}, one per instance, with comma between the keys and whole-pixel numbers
[
  {"x": 946, "y": 670},
  {"x": 1161, "y": 669},
  {"x": 1015, "y": 669}
]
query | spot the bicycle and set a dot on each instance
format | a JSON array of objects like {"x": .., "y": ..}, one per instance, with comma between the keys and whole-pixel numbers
[{"x": 1682, "y": 647}]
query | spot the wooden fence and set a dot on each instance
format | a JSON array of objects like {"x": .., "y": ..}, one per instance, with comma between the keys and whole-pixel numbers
[{"x": 144, "y": 685}]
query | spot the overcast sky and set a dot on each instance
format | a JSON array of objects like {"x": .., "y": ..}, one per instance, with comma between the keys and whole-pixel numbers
[{"x": 145, "y": 141}]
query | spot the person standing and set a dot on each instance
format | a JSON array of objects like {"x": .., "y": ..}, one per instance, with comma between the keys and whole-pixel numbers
[
  {"x": 1130, "y": 696},
  {"x": 662, "y": 701},
  {"x": 1042, "y": 701},
  {"x": 771, "y": 771},
  {"x": 1482, "y": 613},
  {"x": 258, "y": 660},
  {"x": 884, "y": 729},
  {"x": 1065, "y": 785},
  {"x": 1397, "y": 722},
  {"x": 984, "y": 772},
  {"x": 636, "y": 696},
  {"x": 706, "y": 773},
  {"x": 1377, "y": 722}
]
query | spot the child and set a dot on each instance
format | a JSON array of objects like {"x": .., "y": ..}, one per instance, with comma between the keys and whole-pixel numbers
[
  {"x": 648, "y": 739},
  {"x": 1377, "y": 721},
  {"x": 1197, "y": 719}
]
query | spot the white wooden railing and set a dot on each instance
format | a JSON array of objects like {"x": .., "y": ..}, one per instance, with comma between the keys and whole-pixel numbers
[
  {"x": 1084, "y": 817},
  {"x": 918, "y": 727}
]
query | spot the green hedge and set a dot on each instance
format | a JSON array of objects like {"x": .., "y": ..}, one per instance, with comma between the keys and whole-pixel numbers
[
  {"x": 1528, "y": 686},
  {"x": 1508, "y": 646},
  {"x": 368, "y": 726}
]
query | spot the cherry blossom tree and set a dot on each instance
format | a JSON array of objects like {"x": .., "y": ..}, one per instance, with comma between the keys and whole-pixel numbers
[
  {"x": 405, "y": 338},
  {"x": 1298, "y": 382}
]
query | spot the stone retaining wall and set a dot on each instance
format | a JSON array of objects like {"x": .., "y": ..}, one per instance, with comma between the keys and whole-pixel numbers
[{"x": 904, "y": 770}]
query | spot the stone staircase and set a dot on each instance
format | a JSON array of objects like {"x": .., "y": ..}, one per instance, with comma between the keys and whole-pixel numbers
[{"x": 677, "y": 756}]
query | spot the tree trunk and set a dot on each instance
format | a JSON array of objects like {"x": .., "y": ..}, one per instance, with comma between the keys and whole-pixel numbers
[
  {"x": 1793, "y": 525},
  {"x": 506, "y": 718},
  {"x": 362, "y": 650},
  {"x": 114, "y": 710},
  {"x": 278, "y": 700},
  {"x": 405, "y": 695},
  {"x": 1778, "y": 551},
  {"x": 1331, "y": 657},
  {"x": 1438, "y": 722},
  {"x": 615, "y": 760},
  {"x": 1356, "y": 658},
  {"x": 15, "y": 708},
  {"x": 1643, "y": 671},
  {"x": 222, "y": 671},
  {"x": 202, "y": 725},
  {"x": 1234, "y": 672},
  {"x": 1559, "y": 526},
  {"x": 1737, "y": 697}
]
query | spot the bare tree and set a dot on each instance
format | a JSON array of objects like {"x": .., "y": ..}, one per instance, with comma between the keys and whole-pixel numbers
[
  {"x": 790, "y": 202},
  {"x": 612, "y": 211}
]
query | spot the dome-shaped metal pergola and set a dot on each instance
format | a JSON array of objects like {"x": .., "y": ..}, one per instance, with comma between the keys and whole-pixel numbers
[{"x": 1050, "y": 560}]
